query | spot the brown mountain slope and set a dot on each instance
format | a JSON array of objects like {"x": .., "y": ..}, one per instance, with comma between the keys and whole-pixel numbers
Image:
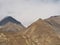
[
  {"x": 54, "y": 21},
  {"x": 8, "y": 39},
  {"x": 11, "y": 27},
  {"x": 5, "y": 39},
  {"x": 40, "y": 33}
]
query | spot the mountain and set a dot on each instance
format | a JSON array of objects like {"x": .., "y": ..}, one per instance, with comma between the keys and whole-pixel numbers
[
  {"x": 40, "y": 33},
  {"x": 11, "y": 27},
  {"x": 54, "y": 21},
  {"x": 9, "y": 19},
  {"x": 9, "y": 24}
]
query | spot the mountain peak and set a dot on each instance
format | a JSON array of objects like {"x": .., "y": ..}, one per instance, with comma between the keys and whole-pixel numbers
[{"x": 9, "y": 19}]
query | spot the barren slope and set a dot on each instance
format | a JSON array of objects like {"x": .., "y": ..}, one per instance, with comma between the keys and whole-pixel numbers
[
  {"x": 54, "y": 21},
  {"x": 40, "y": 33},
  {"x": 11, "y": 27},
  {"x": 9, "y": 24}
]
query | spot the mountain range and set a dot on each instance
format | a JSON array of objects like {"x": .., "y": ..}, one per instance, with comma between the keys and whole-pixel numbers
[{"x": 40, "y": 32}]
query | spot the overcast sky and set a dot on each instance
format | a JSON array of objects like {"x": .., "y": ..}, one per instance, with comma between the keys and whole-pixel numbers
[{"x": 27, "y": 11}]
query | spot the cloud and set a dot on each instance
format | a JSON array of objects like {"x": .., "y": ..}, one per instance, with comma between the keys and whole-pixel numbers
[{"x": 27, "y": 11}]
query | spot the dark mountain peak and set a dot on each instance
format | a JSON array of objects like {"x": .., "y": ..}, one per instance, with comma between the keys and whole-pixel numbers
[{"x": 9, "y": 19}]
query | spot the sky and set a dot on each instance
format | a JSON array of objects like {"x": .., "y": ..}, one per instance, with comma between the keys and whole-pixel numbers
[{"x": 28, "y": 11}]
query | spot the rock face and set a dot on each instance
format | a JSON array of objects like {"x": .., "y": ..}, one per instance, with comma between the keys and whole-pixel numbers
[
  {"x": 9, "y": 24},
  {"x": 54, "y": 21},
  {"x": 40, "y": 33}
]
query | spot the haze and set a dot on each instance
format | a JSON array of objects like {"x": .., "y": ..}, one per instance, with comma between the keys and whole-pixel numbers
[{"x": 27, "y": 11}]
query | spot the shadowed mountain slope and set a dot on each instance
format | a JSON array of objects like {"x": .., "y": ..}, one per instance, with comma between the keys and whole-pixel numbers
[{"x": 9, "y": 19}]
